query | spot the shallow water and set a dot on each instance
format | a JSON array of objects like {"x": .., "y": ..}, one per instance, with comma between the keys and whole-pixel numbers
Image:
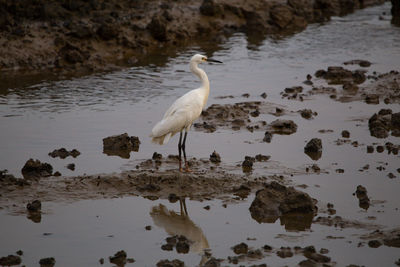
[{"x": 79, "y": 112}]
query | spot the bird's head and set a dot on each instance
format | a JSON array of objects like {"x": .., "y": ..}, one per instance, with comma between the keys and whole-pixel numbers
[{"x": 200, "y": 59}]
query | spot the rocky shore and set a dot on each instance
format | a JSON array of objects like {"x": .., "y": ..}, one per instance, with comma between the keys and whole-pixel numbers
[{"x": 86, "y": 36}]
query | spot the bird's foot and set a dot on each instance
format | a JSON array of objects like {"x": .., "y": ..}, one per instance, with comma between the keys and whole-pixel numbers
[{"x": 188, "y": 170}]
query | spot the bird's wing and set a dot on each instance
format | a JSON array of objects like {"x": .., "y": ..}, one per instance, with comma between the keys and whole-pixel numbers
[{"x": 180, "y": 115}]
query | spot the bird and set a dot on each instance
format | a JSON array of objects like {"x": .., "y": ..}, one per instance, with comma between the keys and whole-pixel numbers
[{"x": 180, "y": 116}]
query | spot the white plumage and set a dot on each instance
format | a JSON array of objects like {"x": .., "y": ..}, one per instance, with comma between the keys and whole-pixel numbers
[{"x": 185, "y": 110}]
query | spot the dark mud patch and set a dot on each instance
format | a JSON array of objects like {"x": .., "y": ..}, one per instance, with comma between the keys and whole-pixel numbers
[
  {"x": 294, "y": 208},
  {"x": 236, "y": 116},
  {"x": 390, "y": 238},
  {"x": 346, "y": 85},
  {"x": 120, "y": 145}
]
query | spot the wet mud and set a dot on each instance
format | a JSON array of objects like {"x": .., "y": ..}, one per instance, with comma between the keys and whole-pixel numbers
[{"x": 276, "y": 196}]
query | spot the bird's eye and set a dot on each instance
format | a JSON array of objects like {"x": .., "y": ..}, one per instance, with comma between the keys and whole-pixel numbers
[{"x": 203, "y": 58}]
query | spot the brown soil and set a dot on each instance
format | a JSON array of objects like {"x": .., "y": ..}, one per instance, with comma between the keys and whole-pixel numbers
[{"x": 98, "y": 35}]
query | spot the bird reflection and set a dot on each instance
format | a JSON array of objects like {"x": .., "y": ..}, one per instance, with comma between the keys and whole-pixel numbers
[{"x": 180, "y": 224}]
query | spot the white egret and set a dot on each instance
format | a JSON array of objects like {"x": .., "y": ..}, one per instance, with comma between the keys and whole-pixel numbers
[{"x": 184, "y": 111}]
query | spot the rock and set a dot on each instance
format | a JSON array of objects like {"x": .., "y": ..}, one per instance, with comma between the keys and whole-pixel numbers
[
  {"x": 247, "y": 164},
  {"x": 285, "y": 252},
  {"x": 243, "y": 191},
  {"x": 167, "y": 247},
  {"x": 156, "y": 156},
  {"x": 314, "y": 148},
  {"x": 350, "y": 87},
  {"x": 119, "y": 258},
  {"x": 215, "y": 157},
  {"x": 372, "y": 99},
  {"x": 10, "y": 260},
  {"x": 36, "y": 169},
  {"x": 261, "y": 157},
  {"x": 267, "y": 137},
  {"x": 282, "y": 127},
  {"x": 362, "y": 196},
  {"x": 306, "y": 113},
  {"x": 392, "y": 241},
  {"x": 47, "y": 262},
  {"x": 316, "y": 257},
  {"x": 168, "y": 263},
  {"x": 71, "y": 166},
  {"x": 182, "y": 246},
  {"x": 120, "y": 145},
  {"x": 264, "y": 95},
  {"x": 135, "y": 143},
  {"x": 241, "y": 248},
  {"x": 35, "y": 205},
  {"x": 339, "y": 75},
  {"x": 276, "y": 200},
  {"x": 370, "y": 149},
  {"x": 380, "y": 125},
  {"x": 345, "y": 134},
  {"x": 294, "y": 89},
  {"x": 374, "y": 244}
]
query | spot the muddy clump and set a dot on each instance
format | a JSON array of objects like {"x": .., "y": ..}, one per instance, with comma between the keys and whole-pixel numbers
[
  {"x": 307, "y": 114},
  {"x": 120, "y": 145},
  {"x": 119, "y": 258},
  {"x": 241, "y": 248},
  {"x": 215, "y": 157},
  {"x": 390, "y": 238},
  {"x": 172, "y": 263},
  {"x": 340, "y": 75},
  {"x": 10, "y": 260},
  {"x": 278, "y": 201},
  {"x": 47, "y": 262},
  {"x": 285, "y": 127},
  {"x": 384, "y": 122},
  {"x": 363, "y": 199},
  {"x": 63, "y": 153},
  {"x": 36, "y": 169},
  {"x": 7, "y": 179},
  {"x": 34, "y": 206},
  {"x": 314, "y": 148}
]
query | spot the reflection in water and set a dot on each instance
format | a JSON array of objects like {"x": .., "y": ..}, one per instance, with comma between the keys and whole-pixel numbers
[
  {"x": 181, "y": 225},
  {"x": 34, "y": 216},
  {"x": 291, "y": 221}
]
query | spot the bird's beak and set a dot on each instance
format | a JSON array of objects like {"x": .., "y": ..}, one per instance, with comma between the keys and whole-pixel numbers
[{"x": 213, "y": 60}]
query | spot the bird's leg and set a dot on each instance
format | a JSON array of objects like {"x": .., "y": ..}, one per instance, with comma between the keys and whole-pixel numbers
[
  {"x": 184, "y": 153},
  {"x": 180, "y": 153}
]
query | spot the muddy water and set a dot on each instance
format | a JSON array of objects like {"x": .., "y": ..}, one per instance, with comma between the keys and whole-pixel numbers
[{"x": 78, "y": 113}]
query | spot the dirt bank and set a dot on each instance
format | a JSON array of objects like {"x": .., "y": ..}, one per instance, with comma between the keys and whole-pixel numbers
[{"x": 100, "y": 35}]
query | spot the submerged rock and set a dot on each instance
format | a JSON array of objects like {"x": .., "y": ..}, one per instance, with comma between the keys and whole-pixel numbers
[
  {"x": 119, "y": 258},
  {"x": 47, "y": 262},
  {"x": 63, "y": 153},
  {"x": 215, "y": 157},
  {"x": 168, "y": 263},
  {"x": 36, "y": 169},
  {"x": 10, "y": 260},
  {"x": 381, "y": 123},
  {"x": 362, "y": 196},
  {"x": 120, "y": 145},
  {"x": 314, "y": 148},
  {"x": 278, "y": 201},
  {"x": 241, "y": 248},
  {"x": 35, "y": 205},
  {"x": 282, "y": 127}
]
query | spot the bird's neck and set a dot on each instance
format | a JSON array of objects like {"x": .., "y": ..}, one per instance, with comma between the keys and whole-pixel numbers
[{"x": 201, "y": 74}]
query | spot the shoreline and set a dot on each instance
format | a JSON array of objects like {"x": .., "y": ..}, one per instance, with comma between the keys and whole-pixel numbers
[{"x": 77, "y": 39}]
